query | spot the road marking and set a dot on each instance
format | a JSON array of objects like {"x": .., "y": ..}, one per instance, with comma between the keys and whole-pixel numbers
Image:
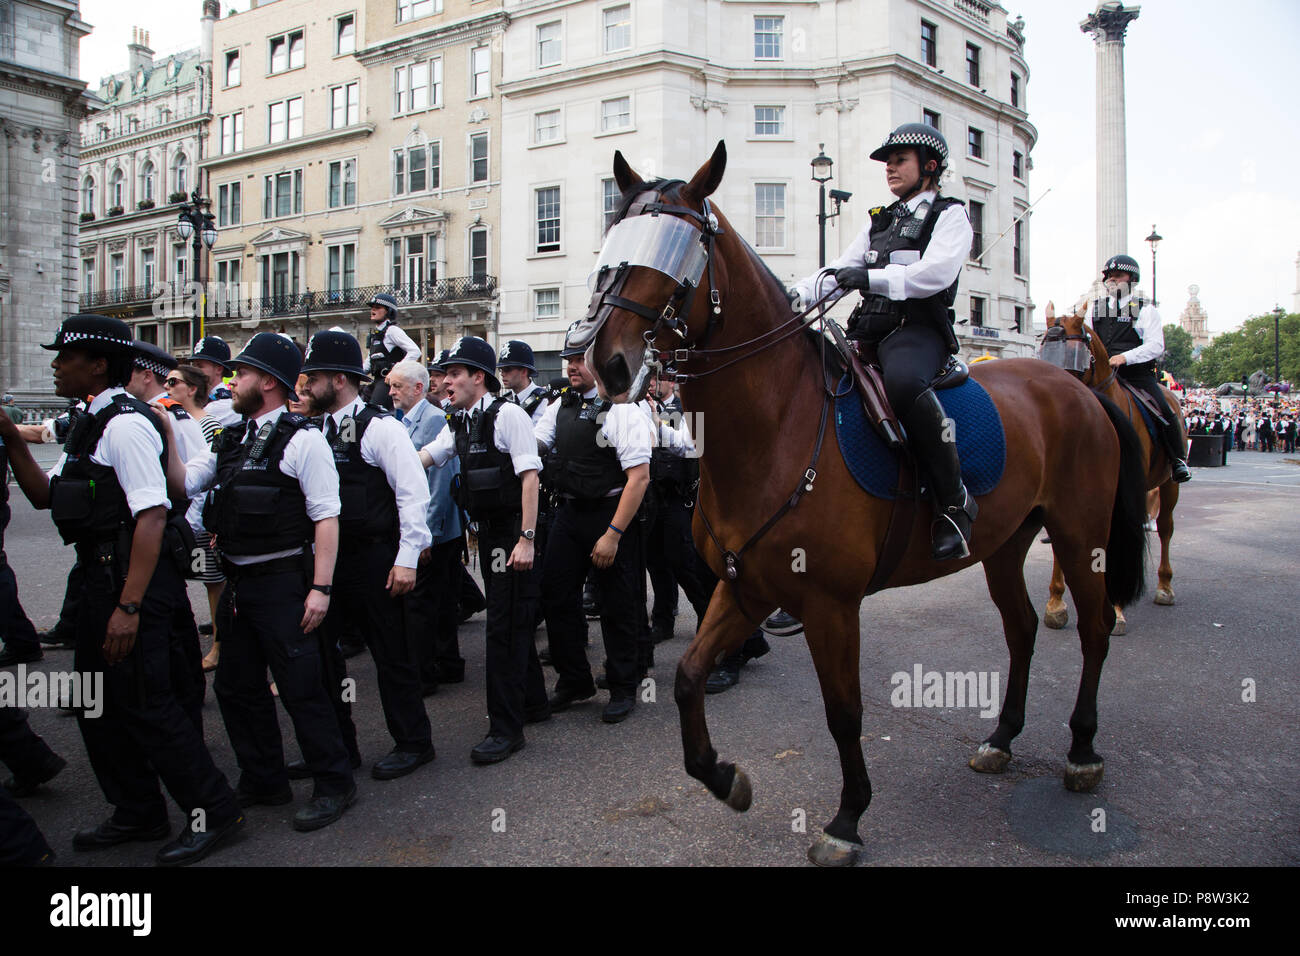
[{"x": 1258, "y": 484}]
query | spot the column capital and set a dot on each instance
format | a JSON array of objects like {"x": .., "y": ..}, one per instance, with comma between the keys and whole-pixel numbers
[{"x": 1109, "y": 21}]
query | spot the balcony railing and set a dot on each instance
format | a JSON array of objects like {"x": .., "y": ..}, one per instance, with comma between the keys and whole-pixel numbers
[
  {"x": 353, "y": 299},
  {"x": 127, "y": 296}
]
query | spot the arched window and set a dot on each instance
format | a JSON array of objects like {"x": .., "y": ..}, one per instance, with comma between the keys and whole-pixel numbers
[
  {"x": 88, "y": 194},
  {"x": 180, "y": 173},
  {"x": 117, "y": 188},
  {"x": 147, "y": 181}
]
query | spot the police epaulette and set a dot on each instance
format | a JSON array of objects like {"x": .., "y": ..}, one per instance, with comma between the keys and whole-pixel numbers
[
  {"x": 297, "y": 420},
  {"x": 179, "y": 413},
  {"x": 875, "y": 210}
]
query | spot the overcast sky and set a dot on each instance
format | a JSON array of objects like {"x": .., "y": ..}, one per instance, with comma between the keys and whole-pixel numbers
[{"x": 1212, "y": 135}]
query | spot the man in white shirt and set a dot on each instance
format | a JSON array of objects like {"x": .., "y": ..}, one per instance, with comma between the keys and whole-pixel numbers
[
  {"x": 1130, "y": 329},
  {"x": 382, "y": 530}
]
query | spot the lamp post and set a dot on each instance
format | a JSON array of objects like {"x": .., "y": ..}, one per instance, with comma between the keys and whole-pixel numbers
[
  {"x": 1153, "y": 240},
  {"x": 194, "y": 221},
  {"x": 1278, "y": 312},
  {"x": 306, "y": 304},
  {"x": 821, "y": 174}
]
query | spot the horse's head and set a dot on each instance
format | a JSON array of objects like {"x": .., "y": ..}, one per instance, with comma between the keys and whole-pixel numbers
[
  {"x": 1068, "y": 342},
  {"x": 653, "y": 287}
]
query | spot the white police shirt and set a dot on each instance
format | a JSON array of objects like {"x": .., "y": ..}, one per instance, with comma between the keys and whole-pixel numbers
[
  {"x": 1148, "y": 327},
  {"x": 626, "y": 427},
  {"x": 132, "y": 447},
  {"x": 670, "y": 429},
  {"x": 512, "y": 433},
  {"x": 387, "y": 446},
  {"x": 540, "y": 411},
  {"x": 223, "y": 410},
  {"x": 395, "y": 337},
  {"x": 307, "y": 457},
  {"x": 910, "y": 275}
]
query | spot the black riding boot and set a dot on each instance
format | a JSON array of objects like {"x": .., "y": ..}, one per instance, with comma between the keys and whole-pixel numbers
[
  {"x": 935, "y": 447},
  {"x": 1174, "y": 447}
]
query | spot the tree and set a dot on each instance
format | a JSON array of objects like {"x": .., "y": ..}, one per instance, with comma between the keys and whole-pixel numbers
[
  {"x": 1233, "y": 355},
  {"x": 1178, "y": 353}
]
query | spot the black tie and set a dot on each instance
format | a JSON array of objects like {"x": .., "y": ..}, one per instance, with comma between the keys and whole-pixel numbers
[{"x": 331, "y": 429}]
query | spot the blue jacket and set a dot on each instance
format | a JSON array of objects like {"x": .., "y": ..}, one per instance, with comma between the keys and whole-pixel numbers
[{"x": 423, "y": 422}]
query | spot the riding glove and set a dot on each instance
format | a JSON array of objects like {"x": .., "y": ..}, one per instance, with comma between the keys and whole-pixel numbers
[{"x": 854, "y": 277}]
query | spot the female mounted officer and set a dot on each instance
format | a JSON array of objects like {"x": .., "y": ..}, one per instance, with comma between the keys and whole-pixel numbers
[{"x": 906, "y": 263}]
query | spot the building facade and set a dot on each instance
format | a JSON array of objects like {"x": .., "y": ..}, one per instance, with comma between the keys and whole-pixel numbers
[
  {"x": 41, "y": 103},
  {"x": 779, "y": 82},
  {"x": 141, "y": 156},
  {"x": 353, "y": 150},
  {"x": 1195, "y": 321}
]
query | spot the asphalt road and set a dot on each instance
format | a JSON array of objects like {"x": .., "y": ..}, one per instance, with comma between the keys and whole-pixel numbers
[{"x": 1194, "y": 775}]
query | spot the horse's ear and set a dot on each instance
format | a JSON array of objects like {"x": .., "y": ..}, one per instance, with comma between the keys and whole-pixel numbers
[
  {"x": 1050, "y": 312},
  {"x": 708, "y": 176},
  {"x": 624, "y": 175}
]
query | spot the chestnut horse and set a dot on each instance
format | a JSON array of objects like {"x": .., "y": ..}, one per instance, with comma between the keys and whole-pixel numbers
[
  {"x": 1073, "y": 466},
  {"x": 1158, "y": 479}
]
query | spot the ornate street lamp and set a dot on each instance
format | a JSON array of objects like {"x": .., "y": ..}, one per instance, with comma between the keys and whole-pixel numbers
[
  {"x": 195, "y": 221},
  {"x": 1153, "y": 240},
  {"x": 821, "y": 174}
]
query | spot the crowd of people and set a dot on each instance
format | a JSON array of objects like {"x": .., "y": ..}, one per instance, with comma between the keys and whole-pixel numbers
[
  {"x": 1254, "y": 423},
  {"x": 325, "y": 517}
]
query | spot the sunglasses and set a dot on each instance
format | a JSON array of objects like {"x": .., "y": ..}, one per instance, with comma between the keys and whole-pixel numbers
[{"x": 174, "y": 381}]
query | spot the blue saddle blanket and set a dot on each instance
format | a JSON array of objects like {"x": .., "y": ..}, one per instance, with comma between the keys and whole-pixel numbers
[{"x": 981, "y": 442}]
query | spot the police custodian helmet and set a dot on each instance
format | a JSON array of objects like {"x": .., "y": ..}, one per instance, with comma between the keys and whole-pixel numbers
[
  {"x": 334, "y": 351},
  {"x": 212, "y": 348},
  {"x": 474, "y": 353},
  {"x": 274, "y": 354},
  {"x": 928, "y": 141},
  {"x": 516, "y": 354},
  {"x": 570, "y": 350},
  {"x": 1121, "y": 263}
]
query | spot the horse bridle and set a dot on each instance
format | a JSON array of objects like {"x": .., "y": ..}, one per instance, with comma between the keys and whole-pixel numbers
[{"x": 1085, "y": 337}]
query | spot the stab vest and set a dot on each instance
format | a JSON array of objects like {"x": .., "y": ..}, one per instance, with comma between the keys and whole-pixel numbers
[
  {"x": 666, "y": 468},
  {"x": 889, "y": 235},
  {"x": 529, "y": 405},
  {"x": 382, "y": 359},
  {"x": 86, "y": 500},
  {"x": 369, "y": 506},
  {"x": 257, "y": 508},
  {"x": 580, "y": 466},
  {"x": 1114, "y": 326},
  {"x": 487, "y": 485}
]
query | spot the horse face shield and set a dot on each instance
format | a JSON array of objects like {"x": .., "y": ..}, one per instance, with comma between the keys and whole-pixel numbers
[{"x": 1069, "y": 353}]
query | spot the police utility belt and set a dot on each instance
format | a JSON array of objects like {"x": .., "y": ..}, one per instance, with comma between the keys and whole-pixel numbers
[{"x": 878, "y": 315}]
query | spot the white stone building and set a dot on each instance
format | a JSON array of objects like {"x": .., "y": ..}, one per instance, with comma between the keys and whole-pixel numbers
[
  {"x": 41, "y": 102},
  {"x": 664, "y": 81}
]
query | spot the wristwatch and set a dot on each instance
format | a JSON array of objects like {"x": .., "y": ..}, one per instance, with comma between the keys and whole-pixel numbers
[
  {"x": 326, "y": 589},
  {"x": 528, "y": 535},
  {"x": 129, "y": 608}
]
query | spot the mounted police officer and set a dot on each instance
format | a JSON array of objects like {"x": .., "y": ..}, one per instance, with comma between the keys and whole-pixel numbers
[
  {"x": 599, "y": 459},
  {"x": 907, "y": 263},
  {"x": 382, "y": 530},
  {"x": 1129, "y": 327},
  {"x": 388, "y": 344},
  {"x": 211, "y": 356},
  {"x": 108, "y": 498},
  {"x": 275, "y": 514},
  {"x": 497, "y": 487}
]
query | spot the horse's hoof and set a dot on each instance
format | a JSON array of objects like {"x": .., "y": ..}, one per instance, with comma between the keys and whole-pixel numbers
[
  {"x": 832, "y": 851},
  {"x": 1165, "y": 597},
  {"x": 989, "y": 759},
  {"x": 1120, "y": 628},
  {"x": 1057, "y": 619},
  {"x": 1082, "y": 778},
  {"x": 741, "y": 792}
]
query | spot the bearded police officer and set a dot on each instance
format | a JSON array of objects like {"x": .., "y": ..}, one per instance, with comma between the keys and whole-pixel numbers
[
  {"x": 388, "y": 344},
  {"x": 599, "y": 460},
  {"x": 906, "y": 263},
  {"x": 275, "y": 514},
  {"x": 382, "y": 530},
  {"x": 497, "y": 487},
  {"x": 211, "y": 356},
  {"x": 1129, "y": 327},
  {"x": 108, "y": 498}
]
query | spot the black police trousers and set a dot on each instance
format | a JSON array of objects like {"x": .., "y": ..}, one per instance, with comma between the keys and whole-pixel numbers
[
  {"x": 674, "y": 561},
  {"x": 577, "y": 527},
  {"x": 910, "y": 357},
  {"x": 266, "y": 631},
  {"x": 16, "y": 630},
  {"x": 1144, "y": 377},
  {"x": 430, "y": 614},
  {"x": 146, "y": 729},
  {"x": 361, "y": 604},
  {"x": 21, "y": 840},
  {"x": 515, "y": 685},
  {"x": 26, "y": 755}
]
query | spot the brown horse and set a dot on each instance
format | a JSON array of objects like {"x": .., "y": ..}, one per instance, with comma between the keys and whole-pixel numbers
[
  {"x": 1073, "y": 466},
  {"x": 1158, "y": 479}
]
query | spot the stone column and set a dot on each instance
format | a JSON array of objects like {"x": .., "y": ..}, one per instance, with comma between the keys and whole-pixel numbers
[
  {"x": 1106, "y": 26},
  {"x": 1295, "y": 297}
]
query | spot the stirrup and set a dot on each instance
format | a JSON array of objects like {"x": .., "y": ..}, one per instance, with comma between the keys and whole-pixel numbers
[{"x": 952, "y": 516}]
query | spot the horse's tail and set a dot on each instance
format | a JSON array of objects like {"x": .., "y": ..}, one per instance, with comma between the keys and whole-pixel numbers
[{"x": 1126, "y": 549}]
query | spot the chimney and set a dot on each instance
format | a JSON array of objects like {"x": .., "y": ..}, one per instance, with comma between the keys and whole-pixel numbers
[{"x": 138, "y": 53}]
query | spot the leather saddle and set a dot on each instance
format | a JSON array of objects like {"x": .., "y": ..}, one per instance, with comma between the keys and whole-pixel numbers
[
  {"x": 1147, "y": 401},
  {"x": 864, "y": 366}
]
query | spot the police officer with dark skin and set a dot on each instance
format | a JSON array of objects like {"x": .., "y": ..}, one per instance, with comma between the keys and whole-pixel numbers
[
  {"x": 907, "y": 263},
  {"x": 275, "y": 515},
  {"x": 599, "y": 459},
  {"x": 382, "y": 530},
  {"x": 388, "y": 344},
  {"x": 108, "y": 498},
  {"x": 1130, "y": 329},
  {"x": 497, "y": 487}
]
